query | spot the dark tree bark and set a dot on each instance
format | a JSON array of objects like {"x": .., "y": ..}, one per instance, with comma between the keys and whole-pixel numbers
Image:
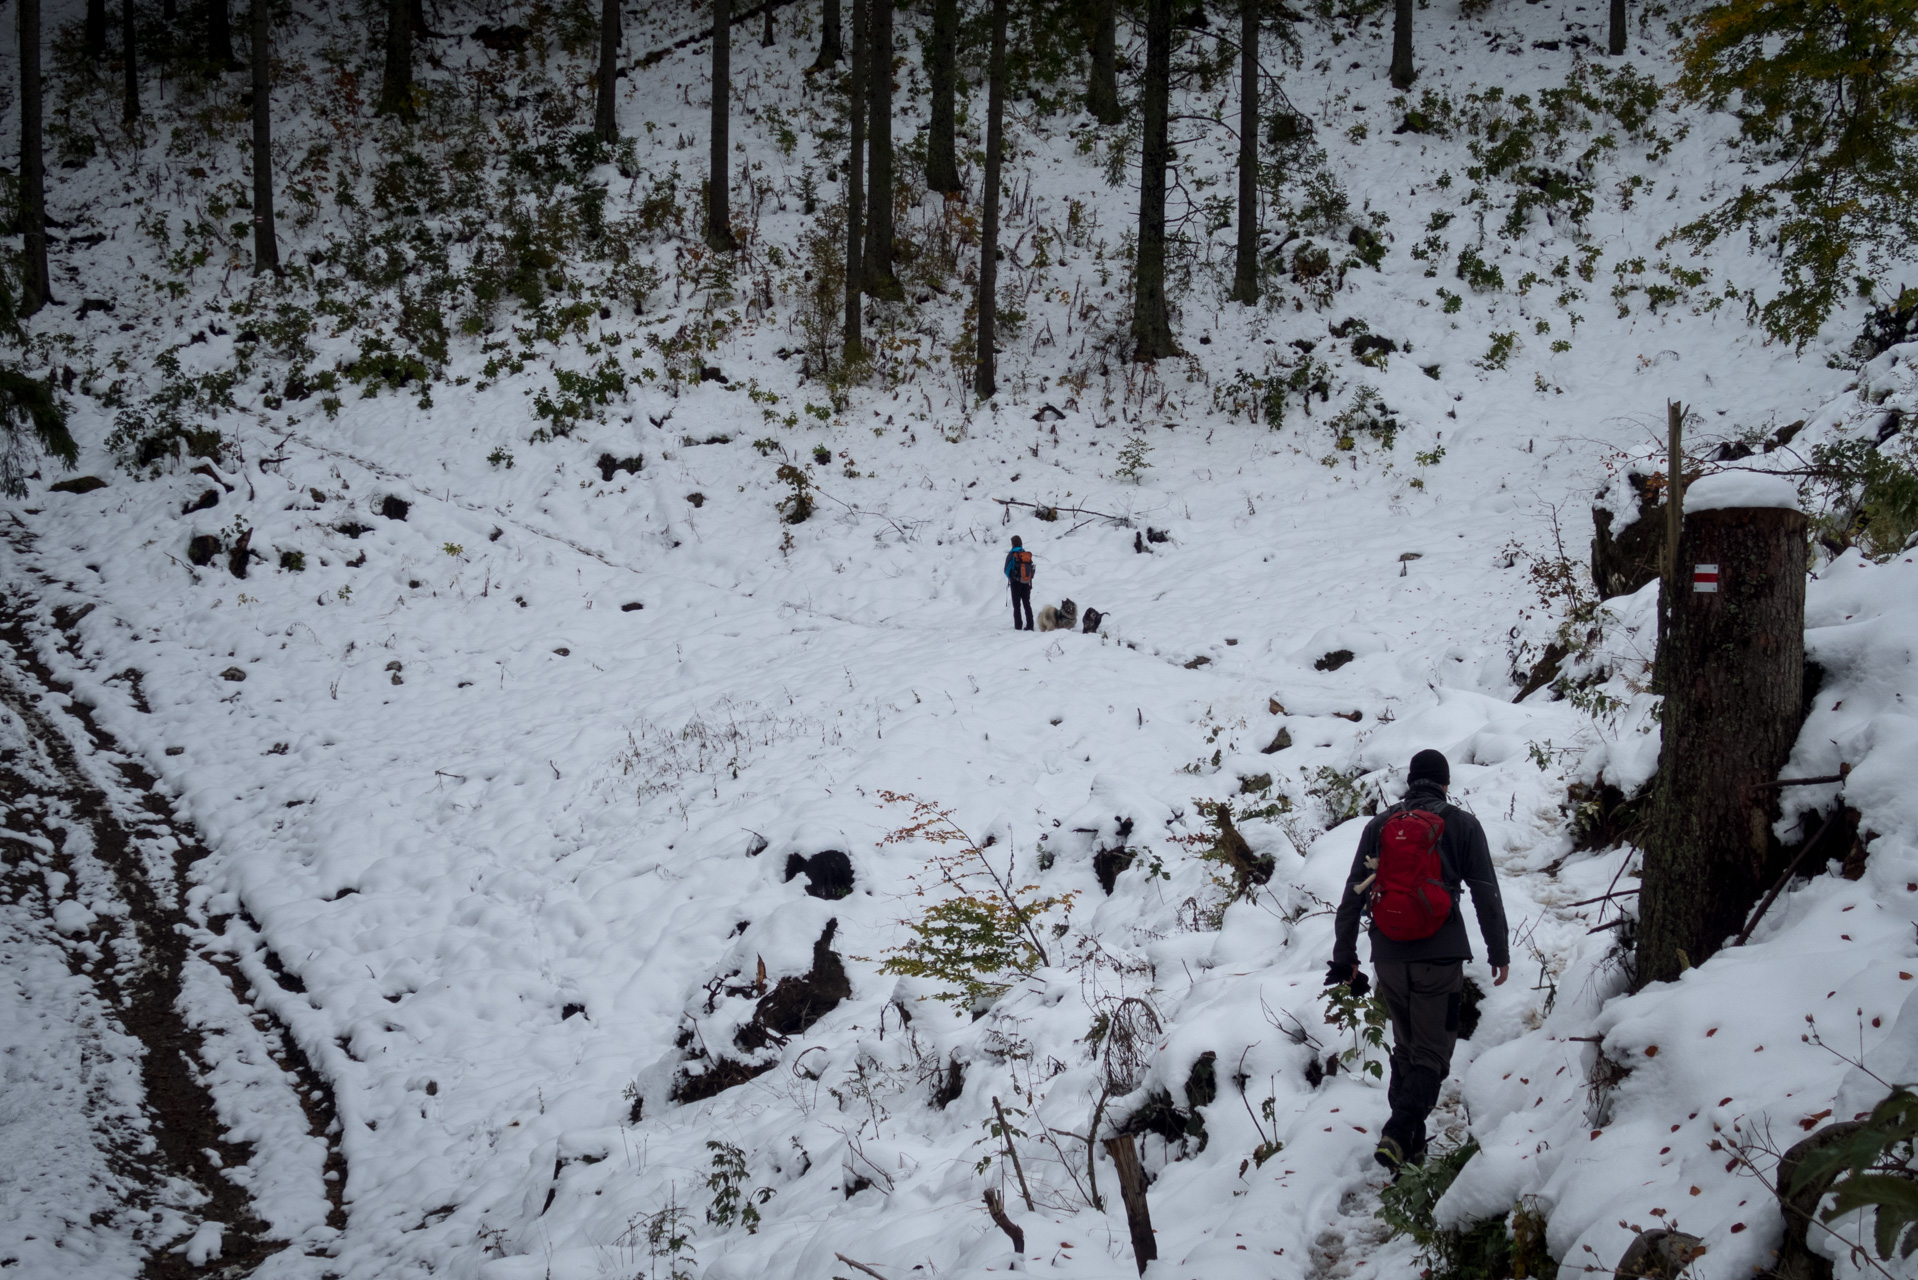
[
  {"x": 169, "y": 11},
  {"x": 830, "y": 50},
  {"x": 1402, "y": 71},
  {"x": 95, "y": 46},
  {"x": 942, "y": 165},
  {"x": 396, "y": 80},
  {"x": 605, "y": 115},
  {"x": 985, "y": 376},
  {"x": 1125, "y": 1161},
  {"x": 1245, "y": 276},
  {"x": 1102, "y": 84},
  {"x": 266, "y": 240},
  {"x": 880, "y": 281},
  {"x": 1616, "y": 45},
  {"x": 1733, "y": 664},
  {"x": 219, "y": 35},
  {"x": 1151, "y": 317},
  {"x": 36, "y": 287},
  {"x": 719, "y": 215},
  {"x": 766, "y": 36},
  {"x": 130, "y": 70},
  {"x": 855, "y": 347}
]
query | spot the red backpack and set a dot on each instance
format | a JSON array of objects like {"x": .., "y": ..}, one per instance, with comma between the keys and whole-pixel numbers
[{"x": 1409, "y": 898}]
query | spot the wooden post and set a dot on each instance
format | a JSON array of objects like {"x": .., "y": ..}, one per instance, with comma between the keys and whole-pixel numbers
[
  {"x": 1674, "y": 484},
  {"x": 1138, "y": 1215},
  {"x": 1732, "y": 657}
]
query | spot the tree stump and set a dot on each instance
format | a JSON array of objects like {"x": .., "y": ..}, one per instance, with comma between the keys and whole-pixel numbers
[
  {"x": 1732, "y": 661},
  {"x": 1138, "y": 1216}
]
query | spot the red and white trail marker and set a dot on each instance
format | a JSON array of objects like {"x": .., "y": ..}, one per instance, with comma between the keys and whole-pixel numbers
[{"x": 1705, "y": 577}]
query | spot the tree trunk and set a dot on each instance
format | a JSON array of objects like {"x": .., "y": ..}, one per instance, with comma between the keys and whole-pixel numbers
[
  {"x": 605, "y": 115},
  {"x": 1733, "y": 661},
  {"x": 1138, "y": 1214},
  {"x": 985, "y": 375},
  {"x": 169, "y": 11},
  {"x": 1245, "y": 276},
  {"x": 1402, "y": 72},
  {"x": 830, "y": 50},
  {"x": 719, "y": 216},
  {"x": 396, "y": 80},
  {"x": 266, "y": 241},
  {"x": 880, "y": 281},
  {"x": 95, "y": 47},
  {"x": 1151, "y": 317},
  {"x": 855, "y": 180},
  {"x": 219, "y": 35},
  {"x": 942, "y": 165},
  {"x": 766, "y": 37},
  {"x": 130, "y": 65},
  {"x": 1102, "y": 84},
  {"x": 1616, "y": 45},
  {"x": 36, "y": 286}
]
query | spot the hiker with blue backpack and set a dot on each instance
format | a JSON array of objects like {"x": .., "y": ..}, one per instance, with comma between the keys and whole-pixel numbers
[
  {"x": 1412, "y": 860},
  {"x": 1019, "y": 572}
]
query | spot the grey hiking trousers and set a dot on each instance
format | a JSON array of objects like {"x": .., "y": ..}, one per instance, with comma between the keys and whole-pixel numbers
[{"x": 1423, "y": 998}]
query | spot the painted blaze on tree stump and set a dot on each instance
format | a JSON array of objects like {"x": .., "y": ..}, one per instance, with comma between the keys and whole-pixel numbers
[{"x": 1733, "y": 664}]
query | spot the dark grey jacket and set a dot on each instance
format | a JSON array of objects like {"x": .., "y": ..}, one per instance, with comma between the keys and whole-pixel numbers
[{"x": 1463, "y": 859}]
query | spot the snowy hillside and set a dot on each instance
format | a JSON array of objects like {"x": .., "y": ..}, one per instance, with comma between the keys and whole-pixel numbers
[{"x": 494, "y": 786}]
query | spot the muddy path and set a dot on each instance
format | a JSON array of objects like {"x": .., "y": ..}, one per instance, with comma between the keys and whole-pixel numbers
[{"x": 96, "y": 866}]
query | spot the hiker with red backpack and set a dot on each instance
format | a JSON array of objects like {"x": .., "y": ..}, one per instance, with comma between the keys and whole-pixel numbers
[
  {"x": 1019, "y": 572},
  {"x": 1411, "y": 862}
]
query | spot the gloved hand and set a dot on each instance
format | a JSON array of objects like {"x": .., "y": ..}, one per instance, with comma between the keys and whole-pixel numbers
[{"x": 1349, "y": 974}]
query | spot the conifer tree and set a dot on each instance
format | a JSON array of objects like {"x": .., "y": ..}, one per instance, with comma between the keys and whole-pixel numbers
[
  {"x": 1826, "y": 95},
  {"x": 1402, "y": 72},
  {"x": 985, "y": 375},
  {"x": 36, "y": 285},
  {"x": 942, "y": 165},
  {"x": 396, "y": 79},
  {"x": 1151, "y": 315},
  {"x": 266, "y": 242},
  {"x": 719, "y": 217},
  {"x": 130, "y": 65},
  {"x": 880, "y": 282},
  {"x": 219, "y": 35},
  {"x": 1102, "y": 80},
  {"x": 830, "y": 49},
  {"x": 855, "y": 346},
  {"x": 1245, "y": 276},
  {"x": 94, "y": 42},
  {"x": 605, "y": 115}
]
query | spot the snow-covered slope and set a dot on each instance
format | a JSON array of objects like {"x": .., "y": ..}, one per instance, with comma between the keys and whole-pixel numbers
[{"x": 500, "y": 793}]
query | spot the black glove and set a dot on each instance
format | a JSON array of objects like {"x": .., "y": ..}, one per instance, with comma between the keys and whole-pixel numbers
[{"x": 1349, "y": 974}]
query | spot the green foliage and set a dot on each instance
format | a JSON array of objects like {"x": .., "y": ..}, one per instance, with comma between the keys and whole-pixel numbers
[
  {"x": 985, "y": 930},
  {"x": 1483, "y": 1251},
  {"x": 580, "y": 397},
  {"x": 1827, "y": 102},
  {"x": 1475, "y": 271},
  {"x": 1365, "y": 1019},
  {"x": 1133, "y": 458},
  {"x": 173, "y": 419},
  {"x": 1870, "y": 494},
  {"x": 667, "y": 1238},
  {"x": 728, "y": 1181},
  {"x": 796, "y": 506},
  {"x": 1366, "y": 415},
  {"x": 1875, "y": 1169},
  {"x": 1499, "y": 353}
]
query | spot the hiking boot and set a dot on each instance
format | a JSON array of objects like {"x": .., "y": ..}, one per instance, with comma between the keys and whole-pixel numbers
[{"x": 1391, "y": 1156}]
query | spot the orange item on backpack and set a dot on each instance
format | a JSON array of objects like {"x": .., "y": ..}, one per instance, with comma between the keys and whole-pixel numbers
[{"x": 1022, "y": 567}]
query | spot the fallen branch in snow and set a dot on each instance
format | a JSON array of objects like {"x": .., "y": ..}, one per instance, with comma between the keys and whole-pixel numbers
[
  {"x": 1124, "y": 522},
  {"x": 1586, "y": 902},
  {"x": 1785, "y": 879},
  {"x": 862, "y": 1266},
  {"x": 997, "y": 1208},
  {"x": 685, "y": 42}
]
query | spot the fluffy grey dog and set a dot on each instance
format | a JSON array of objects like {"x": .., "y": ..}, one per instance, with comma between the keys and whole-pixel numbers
[{"x": 1062, "y": 618}]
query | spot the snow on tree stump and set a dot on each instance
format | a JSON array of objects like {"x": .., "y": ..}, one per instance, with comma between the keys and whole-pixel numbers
[{"x": 1732, "y": 663}]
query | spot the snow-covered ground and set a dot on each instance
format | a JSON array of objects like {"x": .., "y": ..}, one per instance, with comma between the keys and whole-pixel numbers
[{"x": 499, "y": 795}]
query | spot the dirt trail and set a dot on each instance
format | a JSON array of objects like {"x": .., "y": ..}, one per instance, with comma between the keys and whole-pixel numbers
[{"x": 140, "y": 860}]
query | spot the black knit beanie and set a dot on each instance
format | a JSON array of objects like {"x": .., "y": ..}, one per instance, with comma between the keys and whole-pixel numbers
[{"x": 1430, "y": 766}]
